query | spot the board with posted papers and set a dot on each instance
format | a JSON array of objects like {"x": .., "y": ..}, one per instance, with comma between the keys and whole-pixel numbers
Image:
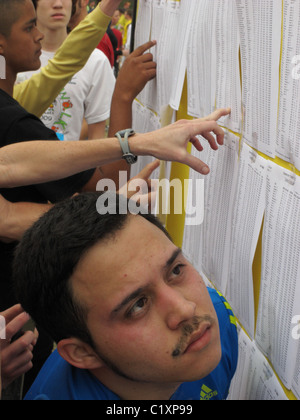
[{"x": 243, "y": 54}]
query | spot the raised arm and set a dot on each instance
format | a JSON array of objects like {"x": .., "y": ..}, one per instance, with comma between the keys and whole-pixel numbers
[{"x": 137, "y": 70}]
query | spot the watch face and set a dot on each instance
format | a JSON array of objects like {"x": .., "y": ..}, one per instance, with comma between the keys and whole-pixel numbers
[
  {"x": 130, "y": 132},
  {"x": 130, "y": 158}
]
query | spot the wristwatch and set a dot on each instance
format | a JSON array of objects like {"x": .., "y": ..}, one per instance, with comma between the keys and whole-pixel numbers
[{"x": 122, "y": 136}]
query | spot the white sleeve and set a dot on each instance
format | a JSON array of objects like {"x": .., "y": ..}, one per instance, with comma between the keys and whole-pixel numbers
[{"x": 98, "y": 101}]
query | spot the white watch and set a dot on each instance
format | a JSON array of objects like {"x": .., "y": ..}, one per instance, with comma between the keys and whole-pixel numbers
[{"x": 122, "y": 136}]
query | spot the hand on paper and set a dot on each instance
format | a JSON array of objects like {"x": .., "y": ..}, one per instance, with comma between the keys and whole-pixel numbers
[
  {"x": 138, "y": 69},
  {"x": 170, "y": 143},
  {"x": 215, "y": 116}
]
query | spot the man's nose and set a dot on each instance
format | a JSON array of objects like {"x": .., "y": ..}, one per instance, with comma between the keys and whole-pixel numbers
[
  {"x": 57, "y": 4},
  {"x": 39, "y": 35},
  {"x": 178, "y": 309}
]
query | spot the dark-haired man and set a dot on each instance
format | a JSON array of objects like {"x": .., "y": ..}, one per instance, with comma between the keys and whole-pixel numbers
[
  {"x": 132, "y": 318},
  {"x": 21, "y": 50}
]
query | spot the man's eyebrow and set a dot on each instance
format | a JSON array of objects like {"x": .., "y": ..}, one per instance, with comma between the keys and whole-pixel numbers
[
  {"x": 141, "y": 290},
  {"x": 128, "y": 299},
  {"x": 31, "y": 21},
  {"x": 173, "y": 258}
]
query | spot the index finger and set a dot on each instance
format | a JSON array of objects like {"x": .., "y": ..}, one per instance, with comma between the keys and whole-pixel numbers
[
  {"x": 11, "y": 313},
  {"x": 198, "y": 127},
  {"x": 217, "y": 114},
  {"x": 16, "y": 325},
  {"x": 143, "y": 48},
  {"x": 147, "y": 171}
]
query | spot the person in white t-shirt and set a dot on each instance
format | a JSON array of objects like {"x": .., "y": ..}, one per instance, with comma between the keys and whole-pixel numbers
[{"x": 87, "y": 97}]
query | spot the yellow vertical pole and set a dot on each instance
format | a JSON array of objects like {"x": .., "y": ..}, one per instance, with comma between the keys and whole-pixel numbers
[{"x": 175, "y": 222}]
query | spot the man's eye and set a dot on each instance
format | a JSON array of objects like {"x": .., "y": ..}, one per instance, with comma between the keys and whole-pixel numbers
[
  {"x": 137, "y": 308},
  {"x": 178, "y": 269}
]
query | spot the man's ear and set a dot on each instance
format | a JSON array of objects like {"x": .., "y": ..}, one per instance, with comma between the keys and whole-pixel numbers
[{"x": 79, "y": 354}]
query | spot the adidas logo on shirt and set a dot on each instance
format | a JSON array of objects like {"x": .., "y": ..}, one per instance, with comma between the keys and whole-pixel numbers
[{"x": 207, "y": 394}]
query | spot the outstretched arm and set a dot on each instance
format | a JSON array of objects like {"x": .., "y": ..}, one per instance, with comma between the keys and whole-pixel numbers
[{"x": 39, "y": 161}]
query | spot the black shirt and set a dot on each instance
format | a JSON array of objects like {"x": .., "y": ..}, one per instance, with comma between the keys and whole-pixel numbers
[{"x": 17, "y": 125}]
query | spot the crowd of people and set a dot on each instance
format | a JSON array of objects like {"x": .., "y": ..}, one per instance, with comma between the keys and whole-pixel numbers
[
  {"x": 116, "y": 42},
  {"x": 129, "y": 315}
]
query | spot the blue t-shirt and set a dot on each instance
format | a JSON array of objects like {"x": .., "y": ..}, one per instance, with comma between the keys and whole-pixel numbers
[{"x": 58, "y": 380}]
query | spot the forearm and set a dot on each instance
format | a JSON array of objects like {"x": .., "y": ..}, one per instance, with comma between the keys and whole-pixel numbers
[
  {"x": 136, "y": 72},
  {"x": 96, "y": 131},
  {"x": 120, "y": 115},
  {"x": 120, "y": 119},
  {"x": 19, "y": 218},
  {"x": 42, "y": 161},
  {"x": 109, "y": 6}
]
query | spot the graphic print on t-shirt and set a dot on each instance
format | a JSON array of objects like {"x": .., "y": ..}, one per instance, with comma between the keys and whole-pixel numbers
[{"x": 59, "y": 114}]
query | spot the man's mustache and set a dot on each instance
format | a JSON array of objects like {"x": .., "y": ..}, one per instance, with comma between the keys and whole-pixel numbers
[{"x": 188, "y": 330}]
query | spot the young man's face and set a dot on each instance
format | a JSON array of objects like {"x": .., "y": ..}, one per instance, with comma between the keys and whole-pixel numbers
[
  {"x": 22, "y": 48},
  {"x": 53, "y": 14},
  {"x": 150, "y": 314}
]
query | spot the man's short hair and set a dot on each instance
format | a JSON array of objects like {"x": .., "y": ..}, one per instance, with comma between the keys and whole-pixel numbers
[
  {"x": 48, "y": 255},
  {"x": 9, "y": 14}
]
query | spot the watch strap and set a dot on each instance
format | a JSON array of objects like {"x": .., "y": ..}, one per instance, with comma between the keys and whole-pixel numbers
[{"x": 123, "y": 136}]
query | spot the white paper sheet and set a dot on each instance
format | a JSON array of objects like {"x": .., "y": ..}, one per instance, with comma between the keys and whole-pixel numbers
[
  {"x": 143, "y": 121},
  {"x": 288, "y": 135},
  {"x": 280, "y": 282},
  {"x": 228, "y": 83},
  {"x": 143, "y": 34},
  {"x": 167, "y": 52},
  {"x": 201, "y": 70},
  {"x": 247, "y": 217},
  {"x": 260, "y": 34},
  {"x": 219, "y": 191},
  {"x": 187, "y": 13},
  {"x": 208, "y": 245},
  {"x": 143, "y": 22},
  {"x": 192, "y": 238},
  {"x": 296, "y": 378},
  {"x": 254, "y": 379}
]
